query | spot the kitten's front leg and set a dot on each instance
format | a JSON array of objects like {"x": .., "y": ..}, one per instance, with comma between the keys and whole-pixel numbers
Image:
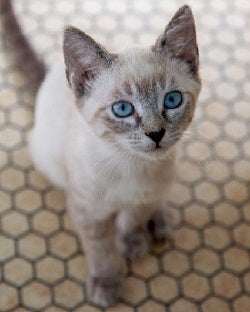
[
  {"x": 132, "y": 236},
  {"x": 105, "y": 266}
]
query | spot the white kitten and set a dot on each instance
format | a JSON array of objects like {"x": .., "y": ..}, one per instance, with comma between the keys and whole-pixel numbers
[{"x": 106, "y": 135}]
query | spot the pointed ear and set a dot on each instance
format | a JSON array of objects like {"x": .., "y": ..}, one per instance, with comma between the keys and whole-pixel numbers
[
  {"x": 84, "y": 59},
  {"x": 179, "y": 38}
]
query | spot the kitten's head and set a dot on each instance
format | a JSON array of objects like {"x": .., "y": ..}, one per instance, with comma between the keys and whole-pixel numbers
[{"x": 141, "y": 99}]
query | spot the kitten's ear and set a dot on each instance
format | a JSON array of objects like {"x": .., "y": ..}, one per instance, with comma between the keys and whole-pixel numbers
[
  {"x": 84, "y": 59},
  {"x": 179, "y": 38}
]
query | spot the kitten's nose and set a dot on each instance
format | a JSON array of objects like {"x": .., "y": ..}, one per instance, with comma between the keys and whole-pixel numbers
[{"x": 156, "y": 136}]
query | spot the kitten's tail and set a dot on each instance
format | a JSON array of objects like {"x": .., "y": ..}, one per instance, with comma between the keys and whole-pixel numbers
[{"x": 24, "y": 56}]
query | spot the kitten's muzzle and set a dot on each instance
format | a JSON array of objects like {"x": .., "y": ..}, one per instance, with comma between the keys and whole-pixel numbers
[{"x": 156, "y": 136}]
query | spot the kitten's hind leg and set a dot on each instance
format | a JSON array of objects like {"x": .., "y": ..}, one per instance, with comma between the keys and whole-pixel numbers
[
  {"x": 132, "y": 236},
  {"x": 160, "y": 225}
]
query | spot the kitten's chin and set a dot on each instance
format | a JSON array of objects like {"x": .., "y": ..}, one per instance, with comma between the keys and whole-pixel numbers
[{"x": 155, "y": 154}]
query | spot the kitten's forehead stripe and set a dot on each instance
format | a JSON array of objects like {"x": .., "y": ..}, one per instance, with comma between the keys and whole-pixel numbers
[{"x": 127, "y": 88}]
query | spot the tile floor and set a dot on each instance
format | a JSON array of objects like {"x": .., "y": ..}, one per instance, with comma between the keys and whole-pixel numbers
[{"x": 207, "y": 269}]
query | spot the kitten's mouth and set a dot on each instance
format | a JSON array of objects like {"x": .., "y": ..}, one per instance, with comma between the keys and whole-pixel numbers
[{"x": 155, "y": 153}]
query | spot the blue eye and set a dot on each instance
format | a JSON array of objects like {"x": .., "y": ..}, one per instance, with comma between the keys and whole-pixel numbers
[
  {"x": 173, "y": 100},
  {"x": 122, "y": 109}
]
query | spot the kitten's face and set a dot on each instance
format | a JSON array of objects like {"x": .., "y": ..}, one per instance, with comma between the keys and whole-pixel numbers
[
  {"x": 142, "y": 103},
  {"x": 143, "y": 99}
]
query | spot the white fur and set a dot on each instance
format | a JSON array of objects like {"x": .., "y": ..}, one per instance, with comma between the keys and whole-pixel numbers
[
  {"x": 47, "y": 139},
  {"x": 64, "y": 149},
  {"x": 111, "y": 171}
]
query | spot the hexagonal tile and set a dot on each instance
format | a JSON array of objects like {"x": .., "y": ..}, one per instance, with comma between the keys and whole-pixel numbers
[
  {"x": 226, "y": 150},
  {"x": 207, "y": 192},
  {"x": 50, "y": 270},
  {"x": 151, "y": 306},
  {"x": 11, "y": 179},
  {"x": 36, "y": 295},
  {"x": 189, "y": 171},
  {"x": 247, "y": 281},
  {"x": 242, "y": 109},
  {"x": 236, "y": 191},
  {"x": 28, "y": 200},
  {"x": 180, "y": 194},
  {"x": 242, "y": 235},
  {"x": 21, "y": 158},
  {"x": 217, "y": 55},
  {"x": 146, "y": 267},
  {"x": 215, "y": 304},
  {"x": 206, "y": 261},
  {"x": 67, "y": 222},
  {"x": 16, "y": 79},
  {"x": 53, "y": 308},
  {"x": 208, "y": 130},
  {"x": 226, "y": 213},
  {"x": 134, "y": 290},
  {"x": 216, "y": 237},
  {"x": 63, "y": 245},
  {"x": 9, "y": 137},
  {"x": 217, "y": 110},
  {"x": 217, "y": 171},
  {"x": 198, "y": 151},
  {"x": 246, "y": 210},
  {"x": 38, "y": 181},
  {"x": 196, "y": 215},
  {"x": 186, "y": 238},
  {"x": 31, "y": 246},
  {"x": 45, "y": 222},
  {"x": 226, "y": 285},
  {"x": 175, "y": 262},
  {"x": 183, "y": 305},
  {"x": 8, "y": 97},
  {"x": 227, "y": 91},
  {"x": 3, "y": 158},
  {"x": 9, "y": 297},
  {"x": 121, "y": 307},
  {"x": 68, "y": 294},
  {"x": 55, "y": 199},
  {"x": 14, "y": 223},
  {"x": 5, "y": 200},
  {"x": 236, "y": 259},
  {"x": 241, "y": 169},
  {"x": 77, "y": 268},
  {"x": 246, "y": 147},
  {"x": 7, "y": 248},
  {"x": 241, "y": 304},
  {"x": 235, "y": 129},
  {"x": 2, "y": 118},
  {"x": 164, "y": 288},
  {"x": 21, "y": 117},
  {"x": 235, "y": 72},
  {"x": 18, "y": 271},
  {"x": 20, "y": 310},
  {"x": 195, "y": 286}
]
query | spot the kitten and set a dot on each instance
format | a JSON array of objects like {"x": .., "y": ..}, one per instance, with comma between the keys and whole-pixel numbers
[{"x": 106, "y": 134}]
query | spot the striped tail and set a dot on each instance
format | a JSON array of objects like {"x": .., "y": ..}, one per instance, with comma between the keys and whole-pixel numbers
[{"x": 25, "y": 58}]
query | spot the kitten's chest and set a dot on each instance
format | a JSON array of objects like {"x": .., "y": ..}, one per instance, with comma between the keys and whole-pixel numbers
[{"x": 135, "y": 186}]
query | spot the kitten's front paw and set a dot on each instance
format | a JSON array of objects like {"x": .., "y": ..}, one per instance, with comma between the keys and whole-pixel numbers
[
  {"x": 160, "y": 226},
  {"x": 104, "y": 291},
  {"x": 134, "y": 244}
]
